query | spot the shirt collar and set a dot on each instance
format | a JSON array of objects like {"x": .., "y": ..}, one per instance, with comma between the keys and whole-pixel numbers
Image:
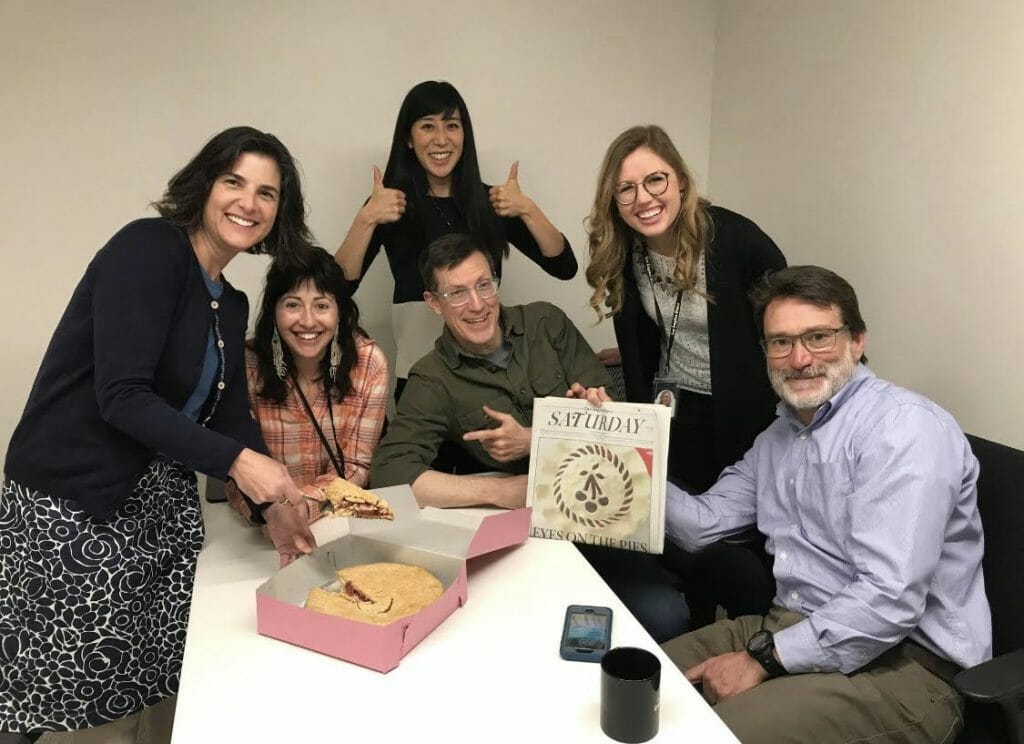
[
  {"x": 512, "y": 323},
  {"x": 828, "y": 409}
]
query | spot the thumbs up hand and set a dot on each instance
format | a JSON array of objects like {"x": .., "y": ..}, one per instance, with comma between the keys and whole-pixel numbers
[
  {"x": 508, "y": 200},
  {"x": 384, "y": 205}
]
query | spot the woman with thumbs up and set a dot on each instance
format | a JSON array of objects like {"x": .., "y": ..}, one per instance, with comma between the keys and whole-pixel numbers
[{"x": 431, "y": 187}]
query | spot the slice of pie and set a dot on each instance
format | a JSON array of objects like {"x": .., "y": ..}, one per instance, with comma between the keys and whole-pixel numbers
[
  {"x": 377, "y": 593},
  {"x": 349, "y": 500}
]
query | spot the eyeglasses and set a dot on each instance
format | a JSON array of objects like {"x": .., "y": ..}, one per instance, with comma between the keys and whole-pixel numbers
[
  {"x": 485, "y": 289},
  {"x": 816, "y": 341},
  {"x": 655, "y": 184}
]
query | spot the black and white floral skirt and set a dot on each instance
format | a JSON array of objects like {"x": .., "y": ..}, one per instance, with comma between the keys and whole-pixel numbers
[{"x": 93, "y": 613}]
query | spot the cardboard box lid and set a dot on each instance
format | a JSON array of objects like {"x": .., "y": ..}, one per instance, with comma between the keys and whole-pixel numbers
[{"x": 466, "y": 533}]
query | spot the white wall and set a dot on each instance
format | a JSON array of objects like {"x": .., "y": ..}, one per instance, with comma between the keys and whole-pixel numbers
[
  {"x": 882, "y": 139},
  {"x": 885, "y": 140},
  {"x": 101, "y": 102}
]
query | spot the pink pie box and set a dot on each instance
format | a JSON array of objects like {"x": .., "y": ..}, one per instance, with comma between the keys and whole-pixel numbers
[{"x": 439, "y": 540}]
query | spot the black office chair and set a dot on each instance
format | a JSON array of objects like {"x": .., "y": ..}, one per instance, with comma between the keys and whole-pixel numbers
[
  {"x": 995, "y": 690},
  {"x": 617, "y": 391}
]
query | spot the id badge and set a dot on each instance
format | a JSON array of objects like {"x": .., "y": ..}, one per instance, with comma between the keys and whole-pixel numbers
[{"x": 665, "y": 393}]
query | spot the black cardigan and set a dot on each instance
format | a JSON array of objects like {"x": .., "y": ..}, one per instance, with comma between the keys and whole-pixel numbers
[
  {"x": 743, "y": 402},
  {"x": 122, "y": 362}
]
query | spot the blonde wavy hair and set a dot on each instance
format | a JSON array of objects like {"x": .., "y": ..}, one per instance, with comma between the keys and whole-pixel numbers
[{"x": 611, "y": 240}]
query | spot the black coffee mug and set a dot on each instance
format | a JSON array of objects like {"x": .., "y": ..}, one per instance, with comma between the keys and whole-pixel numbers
[{"x": 630, "y": 694}]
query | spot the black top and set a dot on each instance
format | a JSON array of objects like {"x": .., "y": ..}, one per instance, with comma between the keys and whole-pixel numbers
[
  {"x": 122, "y": 362},
  {"x": 407, "y": 238},
  {"x": 743, "y": 401}
]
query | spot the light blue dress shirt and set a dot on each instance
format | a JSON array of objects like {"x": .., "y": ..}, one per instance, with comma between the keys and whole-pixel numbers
[{"x": 871, "y": 513}]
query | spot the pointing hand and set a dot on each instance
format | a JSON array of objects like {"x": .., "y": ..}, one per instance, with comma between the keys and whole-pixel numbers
[{"x": 508, "y": 442}]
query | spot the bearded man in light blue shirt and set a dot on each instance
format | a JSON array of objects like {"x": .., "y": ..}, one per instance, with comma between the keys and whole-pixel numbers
[{"x": 867, "y": 495}]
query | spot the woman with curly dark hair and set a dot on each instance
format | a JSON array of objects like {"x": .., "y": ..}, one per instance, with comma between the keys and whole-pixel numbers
[
  {"x": 318, "y": 384},
  {"x": 143, "y": 384}
]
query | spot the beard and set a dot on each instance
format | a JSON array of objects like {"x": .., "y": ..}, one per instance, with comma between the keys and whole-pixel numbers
[{"x": 833, "y": 375}]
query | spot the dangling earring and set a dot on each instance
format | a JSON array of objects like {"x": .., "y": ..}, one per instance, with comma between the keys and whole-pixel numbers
[
  {"x": 278, "y": 352},
  {"x": 332, "y": 371}
]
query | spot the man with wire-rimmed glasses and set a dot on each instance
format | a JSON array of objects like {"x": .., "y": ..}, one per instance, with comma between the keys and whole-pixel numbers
[
  {"x": 476, "y": 388},
  {"x": 867, "y": 495}
]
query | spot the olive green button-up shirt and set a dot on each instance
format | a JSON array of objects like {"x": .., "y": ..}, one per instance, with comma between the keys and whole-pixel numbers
[{"x": 448, "y": 388}]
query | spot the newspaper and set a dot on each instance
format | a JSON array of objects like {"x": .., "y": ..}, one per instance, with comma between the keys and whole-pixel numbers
[{"x": 597, "y": 475}]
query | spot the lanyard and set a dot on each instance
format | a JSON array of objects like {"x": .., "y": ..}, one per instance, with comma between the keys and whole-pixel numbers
[
  {"x": 670, "y": 337},
  {"x": 335, "y": 460}
]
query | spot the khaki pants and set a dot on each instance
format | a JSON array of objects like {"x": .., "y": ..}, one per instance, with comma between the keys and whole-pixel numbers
[
  {"x": 150, "y": 726},
  {"x": 892, "y": 700}
]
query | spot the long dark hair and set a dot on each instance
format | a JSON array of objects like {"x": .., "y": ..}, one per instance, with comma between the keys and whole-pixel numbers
[
  {"x": 282, "y": 277},
  {"x": 404, "y": 171},
  {"x": 188, "y": 190}
]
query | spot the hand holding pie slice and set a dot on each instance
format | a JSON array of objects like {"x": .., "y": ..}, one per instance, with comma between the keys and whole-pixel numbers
[{"x": 349, "y": 500}]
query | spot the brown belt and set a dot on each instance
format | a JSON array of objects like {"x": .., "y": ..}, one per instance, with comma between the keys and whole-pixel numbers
[{"x": 941, "y": 668}]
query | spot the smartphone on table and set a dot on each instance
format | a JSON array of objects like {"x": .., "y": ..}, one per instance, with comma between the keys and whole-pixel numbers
[{"x": 587, "y": 633}]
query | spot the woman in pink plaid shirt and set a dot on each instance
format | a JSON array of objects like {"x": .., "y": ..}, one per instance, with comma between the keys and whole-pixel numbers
[{"x": 317, "y": 383}]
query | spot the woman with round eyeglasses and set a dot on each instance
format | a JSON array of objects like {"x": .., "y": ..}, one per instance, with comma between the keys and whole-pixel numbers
[
  {"x": 431, "y": 187},
  {"x": 673, "y": 272}
]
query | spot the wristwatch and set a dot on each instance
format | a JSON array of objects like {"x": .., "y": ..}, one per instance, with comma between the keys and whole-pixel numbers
[{"x": 762, "y": 647}]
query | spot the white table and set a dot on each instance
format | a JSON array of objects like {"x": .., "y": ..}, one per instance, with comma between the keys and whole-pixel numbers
[{"x": 491, "y": 672}]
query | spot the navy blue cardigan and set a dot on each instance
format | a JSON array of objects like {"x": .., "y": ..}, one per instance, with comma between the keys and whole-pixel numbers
[
  {"x": 122, "y": 362},
  {"x": 743, "y": 402}
]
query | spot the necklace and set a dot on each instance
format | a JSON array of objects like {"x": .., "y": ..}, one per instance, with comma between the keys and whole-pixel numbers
[
  {"x": 443, "y": 214},
  {"x": 663, "y": 272}
]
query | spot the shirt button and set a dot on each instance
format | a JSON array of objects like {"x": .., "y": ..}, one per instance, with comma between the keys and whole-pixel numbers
[
  {"x": 782, "y": 555},
  {"x": 794, "y": 595},
  {"x": 214, "y": 304},
  {"x": 804, "y": 435},
  {"x": 221, "y": 385},
  {"x": 220, "y": 342}
]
